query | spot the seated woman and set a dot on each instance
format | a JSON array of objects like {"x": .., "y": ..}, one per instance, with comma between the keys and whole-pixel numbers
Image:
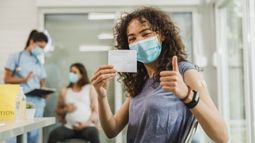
[{"x": 77, "y": 109}]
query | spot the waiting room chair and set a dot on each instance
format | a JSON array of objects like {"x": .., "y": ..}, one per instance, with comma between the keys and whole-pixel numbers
[{"x": 190, "y": 131}]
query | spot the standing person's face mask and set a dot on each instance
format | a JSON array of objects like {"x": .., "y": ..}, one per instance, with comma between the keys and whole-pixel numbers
[
  {"x": 73, "y": 78},
  {"x": 148, "y": 50},
  {"x": 37, "y": 51}
]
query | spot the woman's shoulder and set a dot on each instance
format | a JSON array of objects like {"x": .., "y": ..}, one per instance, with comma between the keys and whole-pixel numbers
[
  {"x": 64, "y": 90},
  {"x": 15, "y": 55},
  {"x": 186, "y": 65},
  {"x": 88, "y": 85}
]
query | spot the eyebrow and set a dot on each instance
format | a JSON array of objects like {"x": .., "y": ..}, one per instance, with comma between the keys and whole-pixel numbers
[{"x": 145, "y": 29}]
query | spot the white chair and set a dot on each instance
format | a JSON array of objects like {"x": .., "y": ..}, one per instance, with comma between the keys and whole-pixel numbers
[{"x": 190, "y": 131}]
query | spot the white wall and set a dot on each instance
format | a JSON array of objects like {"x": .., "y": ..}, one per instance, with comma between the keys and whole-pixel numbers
[
  {"x": 17, "y": 19},
  {"x": 82, "y": 3}
]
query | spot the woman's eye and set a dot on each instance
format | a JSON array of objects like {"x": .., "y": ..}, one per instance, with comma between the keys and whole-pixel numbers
[
  {"x": 131, "y": 40},
  {"x": 146, "y": 34}
]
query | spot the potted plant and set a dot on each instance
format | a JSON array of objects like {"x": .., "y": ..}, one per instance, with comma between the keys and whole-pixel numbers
[{"x": 30, "y": 108}]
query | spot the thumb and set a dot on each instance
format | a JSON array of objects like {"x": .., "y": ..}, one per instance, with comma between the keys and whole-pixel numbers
[{"x": 175, "y": 63}]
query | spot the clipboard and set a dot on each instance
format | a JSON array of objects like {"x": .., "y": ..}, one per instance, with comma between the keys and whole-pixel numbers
[{"x": 41, "y": 92}]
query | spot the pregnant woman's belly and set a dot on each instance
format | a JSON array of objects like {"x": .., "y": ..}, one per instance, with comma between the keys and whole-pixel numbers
[{"x": 81, "y": 114}]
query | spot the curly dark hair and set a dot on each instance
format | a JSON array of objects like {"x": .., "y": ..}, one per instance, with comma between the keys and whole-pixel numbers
[{"x": 161, "y": 23}]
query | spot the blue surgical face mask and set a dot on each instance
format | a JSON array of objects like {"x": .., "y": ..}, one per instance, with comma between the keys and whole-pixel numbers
[
  {"x": 37, "y": 51},
  {"x": 148, "y": 50},
  {"x": 73, "y": 78}
]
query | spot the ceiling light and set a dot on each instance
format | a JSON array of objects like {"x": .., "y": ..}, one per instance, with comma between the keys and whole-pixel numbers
[
  {"x": 94, "y": 48},
  {"x": 100, "y": 16},
  {"x": 105, "y": 36}
]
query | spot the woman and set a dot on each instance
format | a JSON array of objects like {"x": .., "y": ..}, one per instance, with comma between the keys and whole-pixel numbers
[
  {"x": 77, "y": 109},
  {"x": 26, "y": 68},
  {"x": 165, "y": 93}
]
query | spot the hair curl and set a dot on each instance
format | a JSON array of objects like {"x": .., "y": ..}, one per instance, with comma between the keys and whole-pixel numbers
[{"x": 172, "y": 45}]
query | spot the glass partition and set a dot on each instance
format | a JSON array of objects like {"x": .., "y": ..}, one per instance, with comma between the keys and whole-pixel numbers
[{"x": 83, "y": 38}]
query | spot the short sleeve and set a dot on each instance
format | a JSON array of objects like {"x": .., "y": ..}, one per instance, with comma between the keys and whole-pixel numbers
[
  {"x": 184, "y": 66},
  {"x": 11, "y": 62}
]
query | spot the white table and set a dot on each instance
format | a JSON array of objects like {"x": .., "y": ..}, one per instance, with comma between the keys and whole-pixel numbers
[{"x": 20, "y": 128}]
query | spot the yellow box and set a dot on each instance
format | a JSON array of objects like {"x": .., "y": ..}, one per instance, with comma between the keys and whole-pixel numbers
[{"x": 8, "y": 95}]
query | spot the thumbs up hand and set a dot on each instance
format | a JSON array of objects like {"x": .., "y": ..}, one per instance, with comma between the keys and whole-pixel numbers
[{"x": 172, "y": 81}]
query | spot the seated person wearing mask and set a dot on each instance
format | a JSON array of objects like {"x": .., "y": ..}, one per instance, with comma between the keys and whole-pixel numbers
[{"x": 77, "y": 109}]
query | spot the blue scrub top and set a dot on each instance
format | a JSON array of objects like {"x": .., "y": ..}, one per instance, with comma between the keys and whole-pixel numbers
[{"x": 27, "y": 63}]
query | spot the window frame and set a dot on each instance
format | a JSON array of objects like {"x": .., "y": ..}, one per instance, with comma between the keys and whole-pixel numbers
[{"x": 248, "y": 23}]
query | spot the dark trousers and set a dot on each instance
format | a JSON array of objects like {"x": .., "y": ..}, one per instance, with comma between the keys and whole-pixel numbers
[{"x": 62, "y": 133}]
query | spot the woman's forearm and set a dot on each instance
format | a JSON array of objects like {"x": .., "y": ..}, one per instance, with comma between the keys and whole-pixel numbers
[
  {"x": 10, "y": 78},
  {"x": 14, "y": 80},
  {"x": 94, "y": 117},
  {"x": 210, "y": 120},
  {"x": 61, "y": 110},
  {"x": 205, "y": 111},
  {"x": 106, "y": 117}
]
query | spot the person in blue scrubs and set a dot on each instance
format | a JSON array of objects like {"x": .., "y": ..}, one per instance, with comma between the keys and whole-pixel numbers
[{"x": 26, "y": 68}]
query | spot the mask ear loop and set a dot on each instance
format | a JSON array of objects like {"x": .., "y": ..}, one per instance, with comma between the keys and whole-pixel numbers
[{"x": 160, "y": 37}]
